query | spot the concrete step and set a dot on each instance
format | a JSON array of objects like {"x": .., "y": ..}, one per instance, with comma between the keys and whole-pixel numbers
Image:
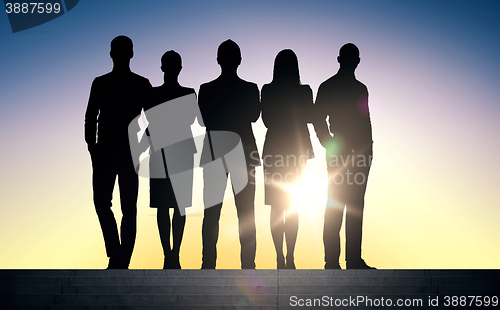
[
  {"x": 357, "y": 290},
  {"x": 174, "y": 281},
  {"x": 168, "y": 289},
  {"x": 182, "y": 307},
  {"x": 36, "y": 273},
  {"x": 21, "y": 307},
  {"x": 35, "y": 280},
  {"x": 176, "y": 273},
  {"x": 465, "y": 281},
  {"x": 354, "y": 281},
  {"x": 26, "y": 300},
  {"x": 241, "y": 300},
  {"x": 231, "y": 289},
  {"x": 463, "y": 273},
  {"x": 351, "y": 273},
  {"x": 30, "y": 289},
  {"x": 210, "y": 290},
  {"x": 470, "y": 290}
]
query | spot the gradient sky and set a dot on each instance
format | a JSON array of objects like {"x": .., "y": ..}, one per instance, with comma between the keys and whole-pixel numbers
[{"x": 432, "y": 71}]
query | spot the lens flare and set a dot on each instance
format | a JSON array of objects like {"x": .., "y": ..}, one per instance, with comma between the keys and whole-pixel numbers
[
  {"x": 335, "y": 145},
  {"x": 252, "y": 286}
]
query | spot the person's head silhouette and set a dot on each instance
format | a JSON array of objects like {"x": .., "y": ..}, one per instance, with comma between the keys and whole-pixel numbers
[
  {"x": 348, "y": 56},
  {"x": 229, "y": 56},
  {"x": 171, "y": 65},
  {"x": 286, "y": 68},
  {"x": 122, "y": 50}
]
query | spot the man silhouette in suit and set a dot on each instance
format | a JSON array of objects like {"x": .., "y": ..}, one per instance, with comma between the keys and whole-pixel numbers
[
  {"x": 229, "y": 103},
  {"x": 344, "y": 100},
  {"x": 113, "y": 103}
]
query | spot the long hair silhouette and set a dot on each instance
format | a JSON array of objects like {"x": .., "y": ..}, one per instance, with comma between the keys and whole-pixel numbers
[{"x": 286, "y": 68}]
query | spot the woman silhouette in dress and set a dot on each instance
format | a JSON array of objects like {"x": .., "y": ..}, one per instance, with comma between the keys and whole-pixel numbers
[{"x": 286, "y": 109}]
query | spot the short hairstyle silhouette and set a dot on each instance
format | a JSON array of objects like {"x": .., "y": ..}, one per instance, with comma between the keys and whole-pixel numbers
[
  {"x": 229, "y": 54},
  {"x": 171, "y": 58},
  {"x": 171, "y": 63},
  {"x": 122, "y": 48},
  {"x": 286, "y": 68},
  {"x": 349, "y": 54}
]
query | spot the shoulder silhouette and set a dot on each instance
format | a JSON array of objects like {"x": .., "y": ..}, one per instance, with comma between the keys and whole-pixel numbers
[{"x": 345, "y": 100}]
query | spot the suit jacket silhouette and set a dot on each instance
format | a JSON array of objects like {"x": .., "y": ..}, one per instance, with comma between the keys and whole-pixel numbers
[
  {"x": 230, "y": 105},
  {"x": 345, "y": 100},
  {"x": 113, "y": 104}
]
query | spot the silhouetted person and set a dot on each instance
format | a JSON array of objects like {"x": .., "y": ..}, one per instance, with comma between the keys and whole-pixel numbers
[
  {"x": 286, "y": 110},
  {"x": 229, "y": 103},
  {"x": 174, "y": 158},
  {"x": 113, "y": 103},
  {"x": 345, "y": 101}
]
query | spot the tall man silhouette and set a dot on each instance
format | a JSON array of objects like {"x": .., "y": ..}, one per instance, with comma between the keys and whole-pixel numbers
[
  {"x": 344, "y": 100},
  {"x": 113, "y": 103},
  {"x": 229, "y": 103}
]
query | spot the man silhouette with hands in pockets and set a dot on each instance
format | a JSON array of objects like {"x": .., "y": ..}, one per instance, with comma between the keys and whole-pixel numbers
[
  {"x": 229, "y": 104},
  {"x": 344, "y": 100},
  {"x": 113, "y": 103}
]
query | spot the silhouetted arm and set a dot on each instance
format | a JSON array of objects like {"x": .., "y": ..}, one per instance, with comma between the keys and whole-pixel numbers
[
  {"x": 267, "y": 113},
  {"x": 307, "y": 106},
  {"x": 202, "y": 105},
  {"x": 255, "y": 105},
  {"x": 198, "y": 114},
  {"x": 208, "y": 111},
  {"x": 319, "y": 118},
  {"x": 91, "y": 115},
  {"x": 272, "y": 114}
]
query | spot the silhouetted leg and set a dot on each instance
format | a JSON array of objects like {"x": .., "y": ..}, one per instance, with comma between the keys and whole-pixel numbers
[
  {"x": 331, "y": 231},
  {"x": 291, "y": 229},
  {"x": 103, "y": 182},
  {"x": 210, "y": 234},
  {"x": 353, "y": 230},
  {"x": 245, "y": 208},
  {"x": 277, "y": 232},
  {"x": 354, "y": 219},
  {"x": 163, "y": 221},
  {"x": 128, "y": 181},
  {"x": 331, "y": 235},
  {"x": 292, "y": 221},
  {"x": 354, "y": 222},
  {"x": 214, "y": 187},
  {"x": 178, "y": 223}
]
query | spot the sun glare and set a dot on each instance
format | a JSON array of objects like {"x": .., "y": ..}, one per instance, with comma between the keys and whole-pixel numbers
[{"x": 307, "y": 193}]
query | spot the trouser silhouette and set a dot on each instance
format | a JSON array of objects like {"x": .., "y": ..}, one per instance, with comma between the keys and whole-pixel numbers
[
  {"x": 245, "y": 209},
  {"x": 110, "y": 162},
  {"x": 351, "y": 199}
]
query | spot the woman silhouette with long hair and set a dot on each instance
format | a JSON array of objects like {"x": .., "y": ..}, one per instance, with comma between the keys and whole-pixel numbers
[{"x": 286, "y": 109}]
